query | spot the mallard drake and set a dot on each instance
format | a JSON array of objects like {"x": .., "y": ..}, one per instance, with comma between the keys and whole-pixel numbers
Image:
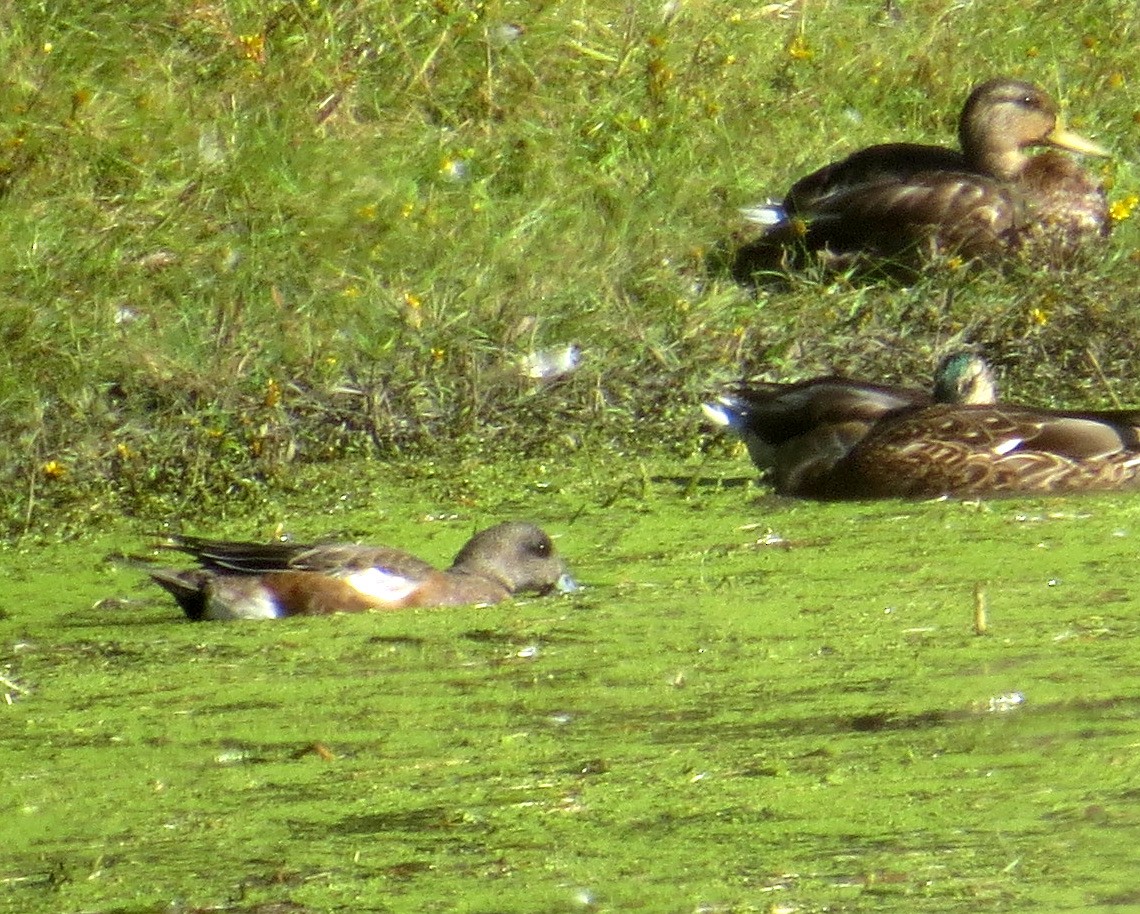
[
  {"x": 929, "y": 449},
  {"x": 902, "y": 203},
  {"x": 272, "y": 580},
  {"x": 783, "y": 425}
]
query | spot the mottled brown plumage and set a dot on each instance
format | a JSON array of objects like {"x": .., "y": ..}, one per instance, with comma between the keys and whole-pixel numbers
[
  {"x": 830, "y": 438},
  {"x": 901, "y": 204},
  {"x": 984, "y": 451},
  {"x": 787, "y": 425}
]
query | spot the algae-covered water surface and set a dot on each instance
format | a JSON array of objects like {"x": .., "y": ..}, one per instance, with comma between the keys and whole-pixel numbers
[{"x": 753, "y": 704}]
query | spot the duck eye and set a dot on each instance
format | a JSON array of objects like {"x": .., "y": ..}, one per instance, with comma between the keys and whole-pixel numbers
[{"x": 542, "y": 547}]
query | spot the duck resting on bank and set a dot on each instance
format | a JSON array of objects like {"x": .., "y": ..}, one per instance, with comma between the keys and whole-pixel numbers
[
  {"x": 788, "y": 427},
  {"x": 899, "y": 205},
  {"x": 834, "y": 439}
]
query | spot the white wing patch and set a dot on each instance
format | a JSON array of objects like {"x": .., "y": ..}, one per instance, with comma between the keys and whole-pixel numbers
[
  {"x": 381, "y": 584},
  {"x": 1002, "y": 448}
]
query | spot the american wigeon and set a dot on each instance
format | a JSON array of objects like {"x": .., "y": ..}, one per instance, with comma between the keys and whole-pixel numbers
[
  {"x": 268, "y": 581},
  {"x": 900, "y": 203}
]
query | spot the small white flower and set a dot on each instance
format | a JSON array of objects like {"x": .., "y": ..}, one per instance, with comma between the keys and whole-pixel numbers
[
  {"x": 504, "y": 33},
  {"x": 455, "y": 170},
  {"x": 1010, "y": 701},
  {"x": 548, "y": 364}
]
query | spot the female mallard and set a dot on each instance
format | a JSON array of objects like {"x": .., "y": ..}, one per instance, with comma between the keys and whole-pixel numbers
[
  {"x": 976, "y": 451},
  {"x": 899, "y": 203},
  {"x": 916, "y": 449}
]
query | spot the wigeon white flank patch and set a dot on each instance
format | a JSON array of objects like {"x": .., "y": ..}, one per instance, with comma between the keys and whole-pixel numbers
[
  {"x": 381, "y": 584},
  {"x": 260, "y": 604}
]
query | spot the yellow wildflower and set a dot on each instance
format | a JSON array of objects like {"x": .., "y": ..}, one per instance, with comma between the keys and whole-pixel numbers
[
  {"x": 252, "y": 47},
  {"x": 413, "y": 312},
  {"x": 1119, "y": 210},
  {"x": 798, "y": 49}
]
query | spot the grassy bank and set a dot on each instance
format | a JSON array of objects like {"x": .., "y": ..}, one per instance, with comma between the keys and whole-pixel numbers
[{"x": 234, "y": 236}]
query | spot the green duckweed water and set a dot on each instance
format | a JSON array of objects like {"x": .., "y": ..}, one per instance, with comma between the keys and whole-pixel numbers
[{"x": 753, "y": 705}]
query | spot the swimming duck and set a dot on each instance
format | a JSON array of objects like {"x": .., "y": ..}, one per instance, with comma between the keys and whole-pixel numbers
[
  {"x": 971, "y": 448},
  {"x": 268, "y": 581},
  {"x": 903, "y": 203}
]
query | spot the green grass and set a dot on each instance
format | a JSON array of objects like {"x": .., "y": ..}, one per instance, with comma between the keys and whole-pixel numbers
[{"x": 237, "y": 236}]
